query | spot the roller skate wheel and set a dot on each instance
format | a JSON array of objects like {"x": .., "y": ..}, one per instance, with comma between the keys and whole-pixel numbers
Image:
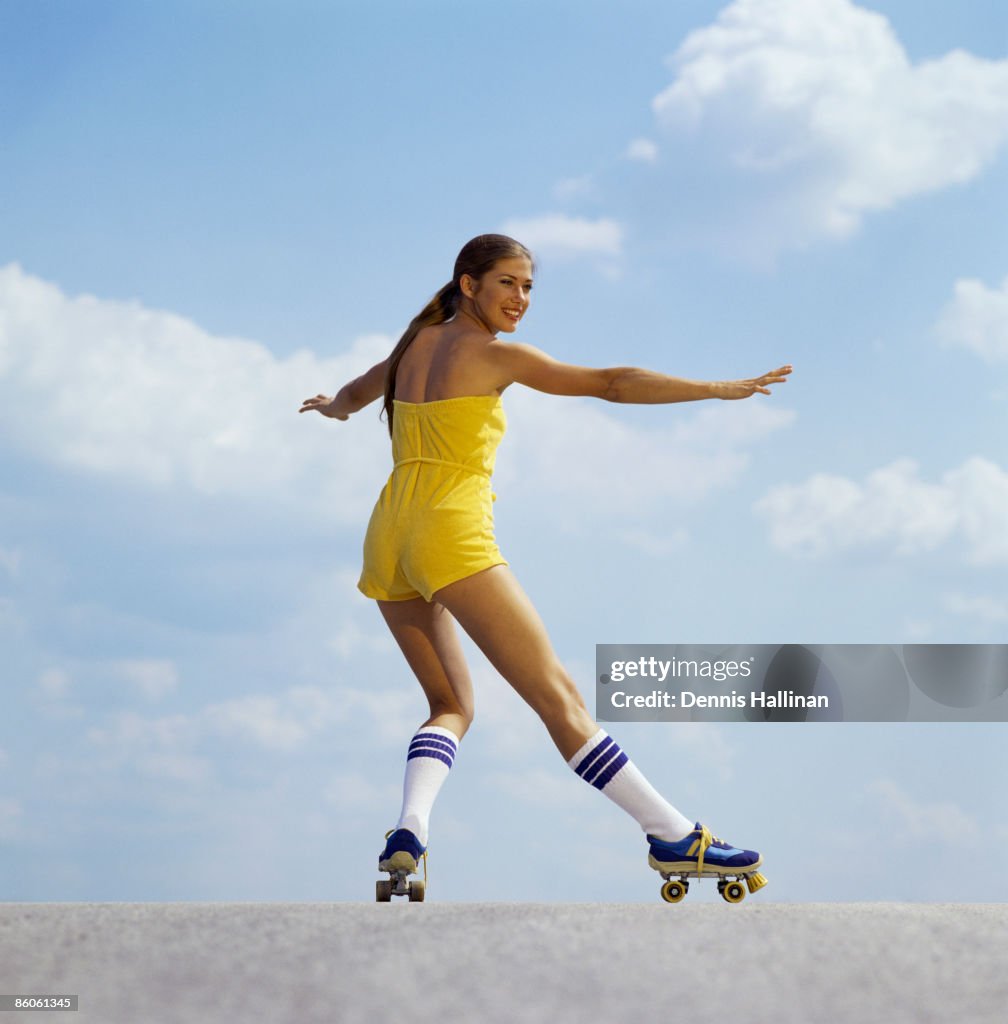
[
  {"x": 383, "y": 890},
  {"x": 416, "y": 891},
  {"x": 674, "y": 892},
  {"x": 733, "y": 892}
]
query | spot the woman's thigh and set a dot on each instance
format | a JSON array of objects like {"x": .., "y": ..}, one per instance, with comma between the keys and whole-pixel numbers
[{"x": 498, "y": 615}]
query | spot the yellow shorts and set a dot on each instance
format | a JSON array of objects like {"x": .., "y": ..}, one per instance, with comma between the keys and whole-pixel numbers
[{"x": 432, "y": 525}]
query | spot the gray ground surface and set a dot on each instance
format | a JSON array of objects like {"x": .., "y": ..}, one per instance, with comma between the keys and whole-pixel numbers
[{"x": 307, "y": 962}]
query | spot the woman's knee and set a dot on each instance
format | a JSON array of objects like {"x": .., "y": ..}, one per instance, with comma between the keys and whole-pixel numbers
[
  {"x": 461, "y": 714},
  {"x": 559, "y": 698}
]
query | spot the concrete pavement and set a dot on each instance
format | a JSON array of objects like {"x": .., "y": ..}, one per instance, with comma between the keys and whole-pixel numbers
[{"x": 513, "y": 962}]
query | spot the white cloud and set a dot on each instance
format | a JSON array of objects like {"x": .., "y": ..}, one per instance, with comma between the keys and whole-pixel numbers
[
  {"x": 977, "y": 319},
  {"x": 568, "y": 189},
  {"x": 612, "y": 465},
  {"x": 276, "y": 723},
  {"x": 280, "y": 722},
  {"x": 115, "y": 389},
  {"x": 54, "y": 682},
  {"x": 128, "y": 729},
  {"x": 935, "y": 822},
  {"x": 161, "y": 748},
  {"x": 815, "y": 105},
  {"x": 643, "y": 150},
  {"x": 152, "y": 677},
  {"x": 558, "y": 235},
  {"x": 894, "y": 507},
  {"x": 981, "y": 488},
  {"x": 350, "y": 638}
]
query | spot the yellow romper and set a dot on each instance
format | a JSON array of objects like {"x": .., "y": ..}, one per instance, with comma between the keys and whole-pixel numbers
[{"x": 433, "y": 523}]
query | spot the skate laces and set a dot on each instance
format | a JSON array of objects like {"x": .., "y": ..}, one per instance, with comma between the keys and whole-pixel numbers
[{"x": 700, "y": 845}]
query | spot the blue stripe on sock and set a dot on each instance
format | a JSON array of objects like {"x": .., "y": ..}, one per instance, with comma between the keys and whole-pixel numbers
[
  {"x": 428, "y": 740},
  {"x": 436, "y": 754},
  {"x": 435, "y": 736},
  {"x": 614, "y": 767},
  {"x": 428, "y": 745},
  {"x": 592, "y": 754},
  {"x": 431, "y": 747},
  {"x": 430, "y": 752},
  {"x": 592, "y": 773}
]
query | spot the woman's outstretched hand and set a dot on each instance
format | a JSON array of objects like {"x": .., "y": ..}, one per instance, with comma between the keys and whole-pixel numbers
[
  {"x": 325, "y": 405},
  {"x": 745, "y": 388}
]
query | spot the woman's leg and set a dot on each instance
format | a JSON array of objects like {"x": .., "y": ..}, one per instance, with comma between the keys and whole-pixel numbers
[
  {"x": 498, "y": 615},
  {"x": 427, "y": 637},
  {"x": 494, "y": 610}
]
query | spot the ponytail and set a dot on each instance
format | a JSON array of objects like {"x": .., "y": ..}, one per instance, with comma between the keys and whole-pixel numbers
[{"x": 440, "y": 309}]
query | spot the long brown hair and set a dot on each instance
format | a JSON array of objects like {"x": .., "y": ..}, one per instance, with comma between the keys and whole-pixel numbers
[{"x": 476, "y": 257}]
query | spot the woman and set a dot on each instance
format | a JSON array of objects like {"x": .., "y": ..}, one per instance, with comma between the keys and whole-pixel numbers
[{"x": 430, "y": 558}]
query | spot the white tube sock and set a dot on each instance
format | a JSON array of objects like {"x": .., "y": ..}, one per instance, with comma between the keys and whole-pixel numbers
[
  {"x": 430, "y": 756},
  {"x": 602, "y": 763}
]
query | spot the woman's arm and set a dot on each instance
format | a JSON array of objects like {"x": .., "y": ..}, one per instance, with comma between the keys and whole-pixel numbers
[
  {"x": 525, "y": 364},
  {"x": 644, "y": 387},
  {"x": 352, "y": 397}
]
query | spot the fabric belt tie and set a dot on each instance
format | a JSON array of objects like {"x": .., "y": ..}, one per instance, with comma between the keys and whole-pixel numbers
[
  {"x": 443, "y": 462},
  {"x": 452, "y": 465}
]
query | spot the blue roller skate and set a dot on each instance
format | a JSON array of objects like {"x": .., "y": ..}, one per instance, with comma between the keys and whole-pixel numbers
[
  {"x": 399, "y": 858},
  {"x": 701, "y": 855}
]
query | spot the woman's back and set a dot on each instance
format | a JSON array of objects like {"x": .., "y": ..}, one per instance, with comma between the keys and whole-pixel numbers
[{"x": 445, "y": 361}]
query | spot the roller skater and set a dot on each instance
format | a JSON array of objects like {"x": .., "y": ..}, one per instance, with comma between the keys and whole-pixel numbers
[{"x": 431, "y": 559}]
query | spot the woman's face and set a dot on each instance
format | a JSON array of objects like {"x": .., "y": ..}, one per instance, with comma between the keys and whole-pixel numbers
[{"x": 502, "y": 295}]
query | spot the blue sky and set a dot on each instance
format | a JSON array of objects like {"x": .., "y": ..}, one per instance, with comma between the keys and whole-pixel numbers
[{"x": 212, "y": 210}]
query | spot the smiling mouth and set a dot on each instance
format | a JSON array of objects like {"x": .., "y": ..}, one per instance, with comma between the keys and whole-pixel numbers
[{"x": 514, "y": 314}]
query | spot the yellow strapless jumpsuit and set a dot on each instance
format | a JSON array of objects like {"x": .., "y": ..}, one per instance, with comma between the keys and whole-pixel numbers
[{"x": 433, "y": 522}]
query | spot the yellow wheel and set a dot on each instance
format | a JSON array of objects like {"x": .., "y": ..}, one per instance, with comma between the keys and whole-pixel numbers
[
  {"x": 383, "y": 890},
  {"x": 416, "y": 891},
  {"x": 733, "y": 892},
  {"x": 674, "y": 892}
]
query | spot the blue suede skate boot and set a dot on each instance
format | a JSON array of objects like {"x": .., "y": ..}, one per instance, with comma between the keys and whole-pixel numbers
[
  {"x": 402, "y": 852},
  {"x": 702, "y": 855},
  {"x": 399, "y": 858}
]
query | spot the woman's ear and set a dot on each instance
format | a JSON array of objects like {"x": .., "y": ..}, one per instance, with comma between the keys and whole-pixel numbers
[{"x": 467, "y": 285}]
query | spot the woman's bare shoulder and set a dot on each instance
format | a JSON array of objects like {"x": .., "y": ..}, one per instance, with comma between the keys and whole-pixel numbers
[{"x": 453, "y": 334}]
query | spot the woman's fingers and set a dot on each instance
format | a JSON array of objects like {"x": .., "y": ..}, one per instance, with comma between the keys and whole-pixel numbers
[
  {"x": 313, "y": 403},
  {"x": 778, "y": 376}
]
